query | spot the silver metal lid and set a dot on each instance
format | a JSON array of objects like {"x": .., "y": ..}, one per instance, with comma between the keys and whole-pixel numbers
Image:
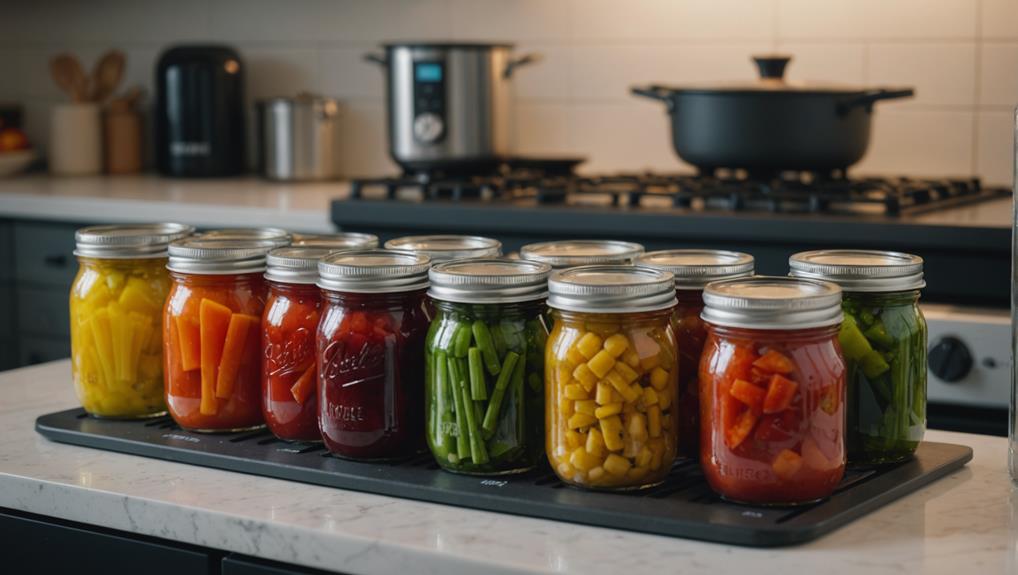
[
  {"x": 214, "y": 256},
  {"x": 489, "y": 280},
  {"x": 861, "y": 270},
  {"x": 280, "y": 236},
  {"x": 443, "y": 248},
  {"x": 572, "y": 253},
  {"x": 129, "y": 241},
  {"x": 693, "y": 268},
  {"x": 611, "y": 289},
  {"x": 295, "y": 264},
  {"x": 338, "y": 241},
  {"x": 374, "y": 271},
  {"x": 769, "y": 302}
]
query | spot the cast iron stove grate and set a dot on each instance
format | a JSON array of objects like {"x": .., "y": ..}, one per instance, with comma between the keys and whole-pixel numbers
[
  {"x": 682, "y": 506},
  {"x": 787, "y": 192}
]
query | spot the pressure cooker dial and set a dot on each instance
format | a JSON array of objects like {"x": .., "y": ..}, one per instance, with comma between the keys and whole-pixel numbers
[{"x": 428, "y": 128}]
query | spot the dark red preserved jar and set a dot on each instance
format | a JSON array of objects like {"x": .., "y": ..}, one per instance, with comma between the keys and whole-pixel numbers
[
  {"x": 289, "y": 324},
  {"x": 693, "y": 269},
  {"x": 772, "y": 390},
  {"x": 370, "y": 353}
]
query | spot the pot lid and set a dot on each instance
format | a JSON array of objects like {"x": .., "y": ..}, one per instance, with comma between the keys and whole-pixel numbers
[
  {"x": 489, "y": 281},
  {"x": 441, "y": 248},
  {"x": 572, "y": 253},
  {"x": 695, "y": 268},
  {"x": 771, "y": 70},
  {"x": 861, "y": 270}
]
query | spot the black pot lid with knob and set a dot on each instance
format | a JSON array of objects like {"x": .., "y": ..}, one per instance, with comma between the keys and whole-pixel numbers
[{"x": 771, "y": 69}]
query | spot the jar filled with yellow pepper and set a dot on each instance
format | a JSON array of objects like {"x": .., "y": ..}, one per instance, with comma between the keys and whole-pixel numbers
[
  {"x": 611, "y": 376},
  {"x": 116, "y": 308}
]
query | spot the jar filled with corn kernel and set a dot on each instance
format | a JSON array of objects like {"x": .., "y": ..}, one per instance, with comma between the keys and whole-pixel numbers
[{"x": 611, "y": 376}]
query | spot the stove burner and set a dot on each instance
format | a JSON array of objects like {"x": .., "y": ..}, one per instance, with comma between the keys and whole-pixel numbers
[{"x": 553, "y": 183}]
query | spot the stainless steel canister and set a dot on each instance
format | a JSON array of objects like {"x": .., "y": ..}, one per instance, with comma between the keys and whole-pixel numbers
[{"x": 299, "y": 138}]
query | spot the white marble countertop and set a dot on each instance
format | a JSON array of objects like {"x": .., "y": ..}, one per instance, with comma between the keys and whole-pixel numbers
[
  {"x": 246, "y": 201},
  {"x": 967, "y": 522}
]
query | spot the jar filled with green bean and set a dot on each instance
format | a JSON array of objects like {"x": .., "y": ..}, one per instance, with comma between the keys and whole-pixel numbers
[
  {"x": 484, "y": 357},
  {"x": 883, "y": 339}
]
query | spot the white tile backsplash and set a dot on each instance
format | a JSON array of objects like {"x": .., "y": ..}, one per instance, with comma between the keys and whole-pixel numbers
[
  {"x": 998, "y": 81},
  {"x": 960, "y": 55},
  {"x": 995, "y": 147},
  {"x": 942, "y": 74}
]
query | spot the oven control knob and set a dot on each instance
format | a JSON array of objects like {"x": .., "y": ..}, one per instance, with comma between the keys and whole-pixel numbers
[
  {"x": 950, "y": 359},
  {"x": 428, "y": 127}
]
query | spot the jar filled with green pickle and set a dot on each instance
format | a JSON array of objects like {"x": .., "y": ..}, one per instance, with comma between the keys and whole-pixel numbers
[
  {"x": 484, "y": 361},
  {"x": 883, "y": 339}
]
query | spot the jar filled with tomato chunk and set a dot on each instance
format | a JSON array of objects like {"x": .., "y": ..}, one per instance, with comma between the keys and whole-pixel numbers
[
  {"x": 693, "y": 269},
  {"x": 116, "y": 308},
  {"x": 443, "y": 248},
  {"x": 289, "y": 324},
  {"x": 772, "y": 390},
  {"x": 611, "y": 376},
  {"x": 484, "y": 363},
  {"x": 883, "y": 339},
  {"x": 370, "y": 353},
  {"x": 572, "y": 253},
  {"x": 212, "y": 333}
]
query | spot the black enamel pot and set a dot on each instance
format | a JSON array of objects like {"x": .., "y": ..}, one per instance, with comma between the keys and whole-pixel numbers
[{"x": 771, "y": 125}]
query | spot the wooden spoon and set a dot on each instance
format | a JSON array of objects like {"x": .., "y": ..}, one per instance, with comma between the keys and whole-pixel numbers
[
  {"x": 107, "y": 74},
  {"x": 69, "y": 76},
  {"x": 127, "y": 101}
]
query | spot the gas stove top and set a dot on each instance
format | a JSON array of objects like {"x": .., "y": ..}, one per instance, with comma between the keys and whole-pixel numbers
[{"x": 792, "y": 193}]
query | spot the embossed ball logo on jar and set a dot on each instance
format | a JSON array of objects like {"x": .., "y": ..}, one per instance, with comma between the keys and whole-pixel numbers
[{"x": 292, "y": 356}]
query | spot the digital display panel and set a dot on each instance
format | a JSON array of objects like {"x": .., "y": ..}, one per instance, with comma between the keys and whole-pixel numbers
[{"x": 429, "y": 72}]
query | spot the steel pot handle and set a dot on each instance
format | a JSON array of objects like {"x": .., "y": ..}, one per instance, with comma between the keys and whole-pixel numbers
[
  {"x": 376, "y": 59},
  {"x": 514, "y": 63},
  {"x": 870, "y": 97},
  {"x": 655, "y": 92}
]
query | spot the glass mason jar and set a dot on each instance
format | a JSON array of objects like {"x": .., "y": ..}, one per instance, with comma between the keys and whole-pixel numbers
[
  {"x": 443, "y": 248},
  {"x": 693, "y": 269},
  {"x": 289, "y": 325},
  {"x": 116, "y": 306},
  {"x": 212, "y": 333},
  {"x": 370, "y": 353},
  {"x": 484, "y": 363},
  {"x": 772, "y": 390},
  {"x": 277, "y": 236},
  {"x": 337, "y": 241},
  {"x": 571, "y": 253},
  {"x": 611, "y": 376},
  {"x": 883, "y": 339}
]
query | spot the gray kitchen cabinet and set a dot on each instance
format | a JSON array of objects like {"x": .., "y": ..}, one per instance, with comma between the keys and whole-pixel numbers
[
  {"x": 43, "y": 311},
  {"x": 44, "y": 254},
  {"x": 8, "y": 354},
  {"x": 33, "y": 350},
  {"x": 7, "y": 311},
  {"x": 6, "y": 251}
]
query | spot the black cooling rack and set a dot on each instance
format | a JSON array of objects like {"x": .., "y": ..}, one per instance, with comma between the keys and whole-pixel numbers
[{"x": 683, "y": 506}]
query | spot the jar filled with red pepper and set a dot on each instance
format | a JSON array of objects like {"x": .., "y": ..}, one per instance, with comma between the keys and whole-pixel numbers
[
  {"x": 370, "y": 353},
  {"x": 693, "y": 269},
  {"x": 289, "y": 371},
  {"x": 212, "y": 333},
  {"x": 772, "y": 390}
]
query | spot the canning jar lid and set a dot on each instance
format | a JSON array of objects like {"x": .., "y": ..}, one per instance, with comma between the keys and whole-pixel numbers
[
  {"x": 611, "y": 289},
  {"x": 280, "y": 236},
  {"x": 772, "y": 302},
  {"x": 442, "y": 248},
  {"x": 213, "y": 256},
  {"x": 695, "y": 268},
  {"x": 572, "y": 253},
  {"x": 374, "y": 271},
  {"x": 128, "y": 241},
  {"x": 338, "y": 241},
  {"x": 489, "y": 280},
  {"x": 295, "y": 264},
  {"x": 861, "y": 270}
]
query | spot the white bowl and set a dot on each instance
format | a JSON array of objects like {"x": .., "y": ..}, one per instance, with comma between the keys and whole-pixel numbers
[{"x": 14, "y": 162}]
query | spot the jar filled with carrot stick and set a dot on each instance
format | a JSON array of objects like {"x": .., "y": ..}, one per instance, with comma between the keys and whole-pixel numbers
[{"x": 212, "y": 333}]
